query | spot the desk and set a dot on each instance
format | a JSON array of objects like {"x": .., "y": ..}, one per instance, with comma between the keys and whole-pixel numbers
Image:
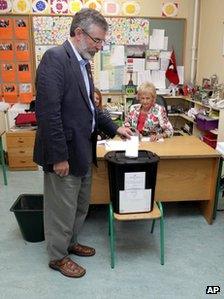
[
  {"x": 187, "y": 171},
  {"x": 2, "y": 158}
]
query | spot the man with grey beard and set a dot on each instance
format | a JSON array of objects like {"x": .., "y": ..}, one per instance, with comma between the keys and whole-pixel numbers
[{"x": 65, "y": 144}]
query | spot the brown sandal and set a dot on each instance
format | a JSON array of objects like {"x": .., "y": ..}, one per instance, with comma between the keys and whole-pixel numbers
[
  {"x": 82, "y": 250},
  {"x": 67, "y": 267}
]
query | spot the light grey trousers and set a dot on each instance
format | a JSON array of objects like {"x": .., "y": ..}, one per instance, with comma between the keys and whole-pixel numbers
[{"x": 66, "y": 202}]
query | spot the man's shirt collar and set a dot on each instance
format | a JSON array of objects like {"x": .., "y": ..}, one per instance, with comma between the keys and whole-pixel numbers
[{"x": 82, "y": 62}]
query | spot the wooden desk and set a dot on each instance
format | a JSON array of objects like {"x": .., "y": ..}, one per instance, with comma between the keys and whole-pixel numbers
[{"x": 187, "y": 171}]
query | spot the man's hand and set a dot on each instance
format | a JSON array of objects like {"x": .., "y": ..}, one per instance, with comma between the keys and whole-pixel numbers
[
  {"x": 124, "y": 132},
  {"x": 61, "y": 168}
]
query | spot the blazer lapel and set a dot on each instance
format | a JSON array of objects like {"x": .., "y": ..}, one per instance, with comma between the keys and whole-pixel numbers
[
  {"x": 77, "y": 71},
  {"x": 90, "y": 76}
]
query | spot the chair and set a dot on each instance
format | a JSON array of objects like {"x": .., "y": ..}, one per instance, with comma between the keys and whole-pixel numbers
[
  {"x": 160, "y": 100},
  {"x": 156, "y": 213},
  {"x": 3, "y": 161}
]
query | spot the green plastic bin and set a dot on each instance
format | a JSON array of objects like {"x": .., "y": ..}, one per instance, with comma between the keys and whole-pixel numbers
[{"x": 28, "y": 210}]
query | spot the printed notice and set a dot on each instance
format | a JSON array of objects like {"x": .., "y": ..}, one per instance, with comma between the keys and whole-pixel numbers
[
  {"x": 134, "y": 180},
  {"x": 133, "y": 201}
]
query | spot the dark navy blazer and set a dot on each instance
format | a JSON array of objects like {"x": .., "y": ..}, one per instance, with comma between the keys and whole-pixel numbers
[{"x": 64, "y": 115}]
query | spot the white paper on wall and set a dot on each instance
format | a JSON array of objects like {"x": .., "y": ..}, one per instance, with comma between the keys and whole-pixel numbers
[
  {"x": 157, "y": 40},
  {"x": 180, "y": 71},
  {"x": 159, "y": 79},
  {"x": 144, "y": 76},
  {"x": 117, "y": 57},
  {"x": 104, "y": 80},
  {"x": 138, "y": 64}
]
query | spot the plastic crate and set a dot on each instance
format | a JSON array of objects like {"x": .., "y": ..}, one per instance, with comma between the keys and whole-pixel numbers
[
  {"x": 206, "y": 123},
  {"x": 28, "y": 210},
  {"x": 210, "y": 139}
]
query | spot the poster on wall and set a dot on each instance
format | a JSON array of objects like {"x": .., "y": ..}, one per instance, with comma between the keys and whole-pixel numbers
[
  {"x": 128, "y": 31},
  {"x": 51, "y": 30}
]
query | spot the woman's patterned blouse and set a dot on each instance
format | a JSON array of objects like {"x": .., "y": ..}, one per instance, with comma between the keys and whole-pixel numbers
[{"x": 156, "y": 122}]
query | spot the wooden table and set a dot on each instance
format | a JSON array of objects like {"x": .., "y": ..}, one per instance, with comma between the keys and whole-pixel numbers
[{"x": 187, "y": 171}]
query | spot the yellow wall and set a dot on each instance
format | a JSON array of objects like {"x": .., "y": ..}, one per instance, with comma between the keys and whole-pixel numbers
[{"x": 210, "y": 59}]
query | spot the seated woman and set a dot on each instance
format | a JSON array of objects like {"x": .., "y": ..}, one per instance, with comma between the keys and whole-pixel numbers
[
  {"x": 147, "y": 117},
  {"x": 98, "y": 103}
]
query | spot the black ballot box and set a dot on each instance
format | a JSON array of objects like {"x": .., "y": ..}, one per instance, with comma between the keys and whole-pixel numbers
[{"x": 132, "y": 181}]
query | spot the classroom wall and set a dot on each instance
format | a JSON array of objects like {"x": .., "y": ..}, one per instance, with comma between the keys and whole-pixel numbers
[
  {"x": 152, "y": 8},
  {"x": 211, "y": 33}
]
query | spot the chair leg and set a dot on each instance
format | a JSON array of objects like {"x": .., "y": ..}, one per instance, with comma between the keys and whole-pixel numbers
[
  {"x": 161, "y": 234},
  {"x": 3, "y": 162},
  {"x": 152, "y": 227},
  {"x": 111, "y": 232}
]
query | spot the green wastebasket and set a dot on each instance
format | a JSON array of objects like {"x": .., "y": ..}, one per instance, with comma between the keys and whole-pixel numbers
[{"x": 28, "y": 210}]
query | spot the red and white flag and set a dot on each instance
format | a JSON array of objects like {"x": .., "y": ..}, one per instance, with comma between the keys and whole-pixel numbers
[{"x": 171, "y": 72}]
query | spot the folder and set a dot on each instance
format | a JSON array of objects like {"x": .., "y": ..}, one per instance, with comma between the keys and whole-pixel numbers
[
  {"x": 24, "y": 72},
  {"x": 6, "y": 28},
  {"x": 25, "y": 93},
  {"x": 8, "y": 72},
  {"x": 22, "y": 50},
  {"x": 21, "y": 28},
  {"x": 10, "y": 93},
  {"x": 6, "y": 50}
]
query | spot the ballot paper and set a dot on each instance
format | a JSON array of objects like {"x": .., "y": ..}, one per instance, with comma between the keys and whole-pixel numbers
[
  {"x": 115, "y": 145},
  {"x": 132, "y": 147}
]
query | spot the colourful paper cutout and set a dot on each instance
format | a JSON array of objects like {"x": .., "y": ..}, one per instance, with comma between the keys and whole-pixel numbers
[
  {"x": 170, "y": 9},
  {"x": 93, "y": 4},
  {"x": 40, "y": 6},
  {"x": 59, "y": 6},
  {"x": 5, "y": 6},
  {"x": 21, "y": 6},
  {"x": 131, "y": 8},
  {"x": 75, "y": 6},
  {"x": 111, "y": 8}
]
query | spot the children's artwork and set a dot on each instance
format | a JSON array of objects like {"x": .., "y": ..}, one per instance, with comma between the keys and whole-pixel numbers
[
  {"x": 21, "y": 6},
  {"x": 128, "y": 31},
  {"x": 39, "y": 51},
  {"x": 93, "y": 4},
  {"x": 51, "y": 30},
  {"x": 40, "y": 6},
  {"x": 170, "y": 9},
  {"x": 5, "y": 6},
  {"x": 152, "y": 61},
  {"x": 133, "y": 51},
  {"x": 131, "y": 8},
  {"x": 75, "y": 6},
  {"x": 25, "y": 88},
  {"x": 59, "y": 6},
  {"x": 111, "y": 7}
]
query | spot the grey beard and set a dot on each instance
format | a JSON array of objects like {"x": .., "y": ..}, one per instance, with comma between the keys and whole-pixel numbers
[{"x": 87, "y": 55}]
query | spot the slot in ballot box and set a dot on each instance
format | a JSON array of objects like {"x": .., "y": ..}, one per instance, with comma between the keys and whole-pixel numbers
[{"x": 132, "y": 181}]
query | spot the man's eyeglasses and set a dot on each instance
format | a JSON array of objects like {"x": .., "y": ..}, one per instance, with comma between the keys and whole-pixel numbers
[{"x": 95, "y": 40}]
